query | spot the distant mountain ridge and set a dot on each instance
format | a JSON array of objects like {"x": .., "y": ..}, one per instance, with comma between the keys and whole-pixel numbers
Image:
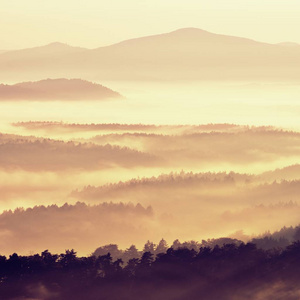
[
  {"x": 49, "y": 49},
  {"x": 184, "y": 54},
  {"x": 56, "y": 89}
]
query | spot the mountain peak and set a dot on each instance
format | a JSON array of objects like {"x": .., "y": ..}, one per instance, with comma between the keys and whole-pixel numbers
[
  {"x": 190, "y": 30},
  {"x": 57, "y": 44}
]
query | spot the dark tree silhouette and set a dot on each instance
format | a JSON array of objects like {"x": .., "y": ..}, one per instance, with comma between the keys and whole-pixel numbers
[{"x": 231, "y": 271}]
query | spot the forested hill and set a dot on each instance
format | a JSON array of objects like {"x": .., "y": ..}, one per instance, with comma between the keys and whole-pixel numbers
[{"x": 239, "y": 271}]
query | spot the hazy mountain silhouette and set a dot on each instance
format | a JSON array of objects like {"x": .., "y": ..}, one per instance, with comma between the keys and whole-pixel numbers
[
  {"x": 62, "y": 89},
  {"x": 188, "y": 53},
  {"x": 289, "y": 44},
  {"x": 50, "y": 50}
]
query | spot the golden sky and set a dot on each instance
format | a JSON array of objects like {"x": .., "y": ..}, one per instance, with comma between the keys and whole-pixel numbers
[{"x": 94, "y": 23}]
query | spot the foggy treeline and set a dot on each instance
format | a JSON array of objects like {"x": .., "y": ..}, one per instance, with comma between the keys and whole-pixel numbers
[
  {"x": 116, "y": 127},
  {"x": 160, "y": 168},
  {"x": 54, "y": 155},
  {"x": 80, "y": 225},
  {"x": 167, "y": 147}
]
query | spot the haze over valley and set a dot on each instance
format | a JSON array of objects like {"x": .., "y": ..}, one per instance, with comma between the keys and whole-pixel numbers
[{"x": 187, "y": 138}]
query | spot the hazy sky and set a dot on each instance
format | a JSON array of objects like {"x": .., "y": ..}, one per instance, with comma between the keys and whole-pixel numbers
[{"x": 93, "y": 23}]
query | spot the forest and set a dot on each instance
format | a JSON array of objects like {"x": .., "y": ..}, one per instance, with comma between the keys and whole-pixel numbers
[
  {"x": 191, "y": 270},
  {"x": 155, "y": 162}
]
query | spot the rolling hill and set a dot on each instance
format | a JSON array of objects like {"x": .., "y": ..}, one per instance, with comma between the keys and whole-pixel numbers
[{"x": 56, "y": 89}]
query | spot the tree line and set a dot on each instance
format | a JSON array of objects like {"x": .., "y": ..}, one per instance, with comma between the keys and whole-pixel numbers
[{"x": 221, "y": 272}]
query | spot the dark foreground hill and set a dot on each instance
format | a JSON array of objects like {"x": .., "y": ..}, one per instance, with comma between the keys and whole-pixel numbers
[{"x": 228, "y": 272}]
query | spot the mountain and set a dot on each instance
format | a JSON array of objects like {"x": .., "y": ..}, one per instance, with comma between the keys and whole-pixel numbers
[
  {"x": 184, "y": 54},
  {"x": 289, "y": 44},
  {"x": 34, "y": 63},
  {"x": 56, "y": 89},
  {"x": 53, "y": 49}
]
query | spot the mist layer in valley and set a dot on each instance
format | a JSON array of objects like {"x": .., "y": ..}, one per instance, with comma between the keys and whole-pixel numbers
[
  {"x": 203, "y": 143},
  {"x": 127, "y": 182}
]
